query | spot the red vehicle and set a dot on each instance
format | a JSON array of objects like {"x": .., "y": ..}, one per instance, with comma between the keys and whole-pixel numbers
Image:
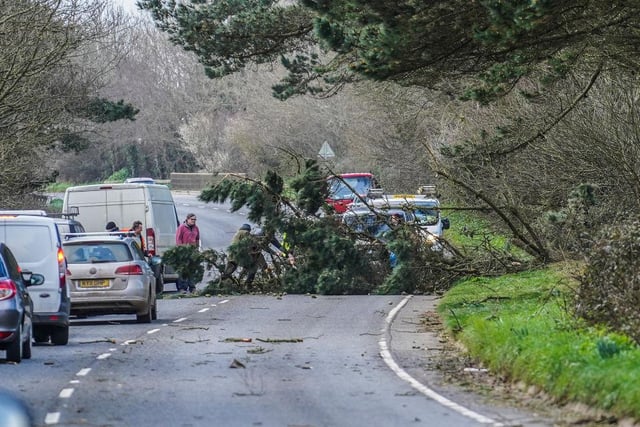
[{"x": 346, "y": 187}]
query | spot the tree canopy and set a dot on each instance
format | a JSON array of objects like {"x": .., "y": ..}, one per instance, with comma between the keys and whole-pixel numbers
[{"x": 326, "y": 43}]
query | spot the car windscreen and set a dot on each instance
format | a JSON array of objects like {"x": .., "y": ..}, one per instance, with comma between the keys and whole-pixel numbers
[
  {"x": 97, "y": 252},
  {"x": 340, "y": 190},
  {"x": 426, "y": 215},
  {"x": 29, "y": 243}
]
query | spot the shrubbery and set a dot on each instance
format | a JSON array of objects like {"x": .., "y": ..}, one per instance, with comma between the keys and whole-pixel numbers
[{"x": 609, "y": 290}]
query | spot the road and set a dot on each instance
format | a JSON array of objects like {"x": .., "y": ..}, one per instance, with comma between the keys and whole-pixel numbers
[{"x": 296, "y": 360}]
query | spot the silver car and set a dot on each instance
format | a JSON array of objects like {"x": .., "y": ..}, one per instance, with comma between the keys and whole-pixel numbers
[{"x": 110, "y": 275}]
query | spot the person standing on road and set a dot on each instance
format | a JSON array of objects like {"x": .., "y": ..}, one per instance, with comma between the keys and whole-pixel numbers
[
  {"x": 187, "y": 234},
  {"x": 136, "y": 229}
]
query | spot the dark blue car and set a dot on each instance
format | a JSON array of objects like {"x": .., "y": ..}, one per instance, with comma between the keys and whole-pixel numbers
[{"x": 16, "y": 307}]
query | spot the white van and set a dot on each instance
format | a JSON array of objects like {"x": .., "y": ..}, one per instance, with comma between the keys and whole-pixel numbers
[
  {"x": 96, "y": 205},
  {"x": 35, "y": 242}
]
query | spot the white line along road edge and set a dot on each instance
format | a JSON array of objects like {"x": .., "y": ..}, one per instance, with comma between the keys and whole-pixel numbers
[{"x": 386, "y": 356}]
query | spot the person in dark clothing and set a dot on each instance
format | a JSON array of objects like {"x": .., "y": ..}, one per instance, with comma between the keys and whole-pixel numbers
[{"x": 112, "y": 227}]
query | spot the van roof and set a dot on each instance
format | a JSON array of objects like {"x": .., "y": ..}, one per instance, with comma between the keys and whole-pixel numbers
[{"x": 107, "y": 186}]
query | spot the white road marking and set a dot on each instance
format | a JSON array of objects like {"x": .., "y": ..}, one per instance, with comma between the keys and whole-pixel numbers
[
  {"x": 83, "y": 372},
  {"x": 182, "y": 319},
  {"x": 66, "y": 393},
  {"x": 74, "y": 382},
  {"x": 204, "y": 310},
  {"x": 224, "y": 301},
  {"x": 52, "y": 418},
  {"x": 129, "y": 342},
  {"x": 401, "y": 373},
  {"x": 103, "y": 356},
  {"x": 152, "y": 331}
]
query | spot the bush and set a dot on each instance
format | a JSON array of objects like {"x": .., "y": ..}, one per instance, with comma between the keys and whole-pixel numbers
[{"x": 609, "y": 289}]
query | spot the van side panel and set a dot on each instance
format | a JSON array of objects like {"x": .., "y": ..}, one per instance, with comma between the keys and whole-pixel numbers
[{"x": 124, "y": 203}]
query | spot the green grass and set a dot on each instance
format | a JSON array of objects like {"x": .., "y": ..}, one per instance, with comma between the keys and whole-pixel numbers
[
  {"x": 468, "y": 232},
  {"x": 519, "y": 326}
]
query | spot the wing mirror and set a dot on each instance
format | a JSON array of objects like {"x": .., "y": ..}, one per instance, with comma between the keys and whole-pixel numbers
[
  {"x": 445, "y": 223},
  {"x": 32, "y": 279}
]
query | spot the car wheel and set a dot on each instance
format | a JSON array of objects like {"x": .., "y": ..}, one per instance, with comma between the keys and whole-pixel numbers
[
  {"x": 14, "y": 351},
  {"x": 40, "y": 335},
  {"x": 145, "y": 317},
  {"x": 154, "y": 311},
  {"x": 159, "y": 285},
  {"x": 60, "y": 335},
  {"x": 26, "y": 345}
]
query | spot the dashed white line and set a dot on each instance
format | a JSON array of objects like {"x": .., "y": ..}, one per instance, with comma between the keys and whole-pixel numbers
[
  {"x": 74, "y": 382},
  {"x": 66, "y": 393},
  {"x": 224, "y": 301},
  {"x": 204, "y": 310},
  {"x": 182, "y": 319},
  {"x": 103, "y": 356},
  {"x": 401, "y": 373},
  {"x": 83, "y": 372},
  {"x": 152, "y": 331},
  {"x": 52, "y": 418}
]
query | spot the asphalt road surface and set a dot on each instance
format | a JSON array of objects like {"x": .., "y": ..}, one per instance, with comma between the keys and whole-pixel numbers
[{"x": 295, "y": 360}]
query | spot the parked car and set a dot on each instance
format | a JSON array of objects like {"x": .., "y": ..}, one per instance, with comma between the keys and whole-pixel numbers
[
  {"x": 110, "y": 275},
  {"x": 16, "y": 307},
  {"x": 36, "y": 244},
  {"x": 68, "y": 225}
]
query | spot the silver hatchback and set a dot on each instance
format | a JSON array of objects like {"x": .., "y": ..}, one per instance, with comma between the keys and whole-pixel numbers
[{"x": 110, "y": 275}]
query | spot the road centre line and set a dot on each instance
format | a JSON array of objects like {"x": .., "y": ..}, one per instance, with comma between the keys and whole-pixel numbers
[
  {"x": 182, "y": 319},
  {"x": 385, "y": 353},
  {"x": 152, "y": 331},
  {"x": 66, "y": 393},
  {"x": 83, "y": 372},
  {"x": 103, "y": 356},
  {"x": 52, "y": 418},
  {"x": 204, "y": 310}
]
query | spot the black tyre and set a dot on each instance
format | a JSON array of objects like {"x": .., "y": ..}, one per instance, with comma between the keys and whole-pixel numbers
[
  {"x": 146, "y": 317},
  {"x": 60, "y": 335},
  {"x": 159, "y": 285},
  {"x": 14, "y": 351},
  {"x": 154, "y": 311},
  {"x": 40, "y": 334},
  {"x": 26, "y": 345}
]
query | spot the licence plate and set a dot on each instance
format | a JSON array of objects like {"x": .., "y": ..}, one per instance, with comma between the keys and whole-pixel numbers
[{"x": 93, "y": 283}]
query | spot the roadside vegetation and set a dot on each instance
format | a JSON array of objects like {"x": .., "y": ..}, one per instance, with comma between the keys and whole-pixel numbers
[{"x": 521, "y": 327}]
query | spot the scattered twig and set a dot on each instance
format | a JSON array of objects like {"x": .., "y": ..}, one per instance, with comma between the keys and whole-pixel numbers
[{"x": 278, "y": 340}]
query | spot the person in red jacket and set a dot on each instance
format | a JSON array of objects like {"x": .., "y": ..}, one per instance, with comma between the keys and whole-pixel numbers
[{"x": 187, "y": 234}]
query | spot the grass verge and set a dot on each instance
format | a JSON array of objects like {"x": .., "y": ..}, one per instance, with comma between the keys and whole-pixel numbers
[{"x": 520, "y": 326}]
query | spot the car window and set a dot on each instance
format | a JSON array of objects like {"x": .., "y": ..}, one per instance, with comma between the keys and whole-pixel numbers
[
  {"x": 3, "y": 270},
  {"x": 29, "y": 243},
  {"x": 12, "y": 265},
  {"x": 426, "y": 216},
  {"x": 97, "y": 252}
]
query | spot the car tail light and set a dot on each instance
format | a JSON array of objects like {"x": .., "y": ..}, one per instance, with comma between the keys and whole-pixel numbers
[
  {"x": 62, "y": 269},
  {"x": 7, "y": 289},
  {"x": 132, "y": 270},
  {"x": 4, "y": 335},
  {"x": 151, "y": 242}
]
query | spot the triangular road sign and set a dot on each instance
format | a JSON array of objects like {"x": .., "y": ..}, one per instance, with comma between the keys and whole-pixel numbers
[{"x": 325, "y": 151}]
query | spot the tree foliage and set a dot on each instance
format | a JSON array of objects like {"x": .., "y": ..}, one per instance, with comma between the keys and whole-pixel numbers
[
  {"x": 44, "y": 87},
  {"x": 498, "y": 42}
]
